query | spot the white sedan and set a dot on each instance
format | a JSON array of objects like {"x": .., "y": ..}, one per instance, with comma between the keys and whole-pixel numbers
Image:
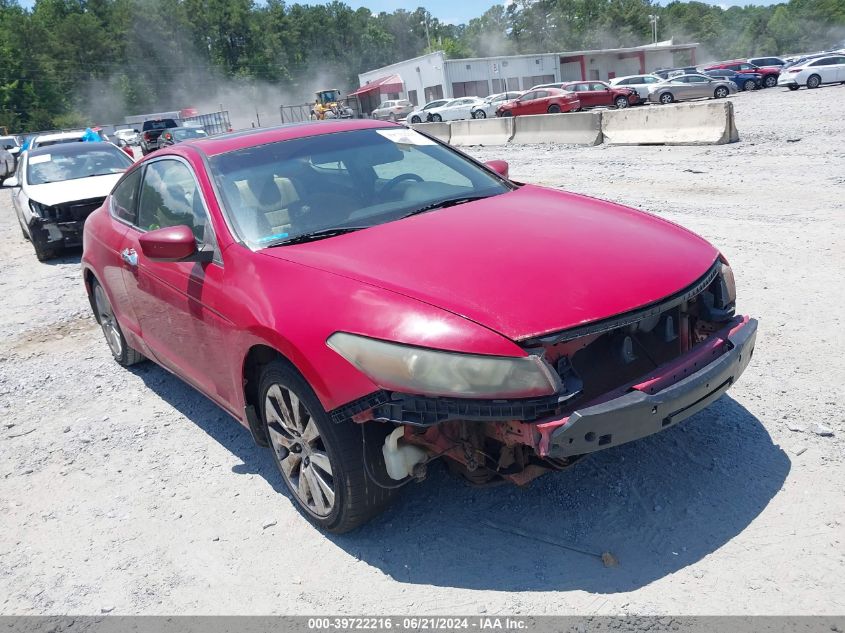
[
  {"x": 56, "y": 138},
  {"x": 640, "y": 83},
  {"x": 421, "y": 115},
  {"x": 454, "y": 110},
  {"x": 812, "y": 73},
  {"x": 56, "y": 187},
  {"x": 487, "y": 108}
]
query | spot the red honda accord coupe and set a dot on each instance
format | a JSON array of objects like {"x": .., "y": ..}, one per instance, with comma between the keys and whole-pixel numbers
[{"x": 365, "y": 299}]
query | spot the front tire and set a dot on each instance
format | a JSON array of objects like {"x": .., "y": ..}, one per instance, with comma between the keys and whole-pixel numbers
[
  {"x": 120, "y": 349},
  {"x": 321, "y": 463},
  {"x": 666, "y": 98},
  {"x": 814, "y": 81},
  {"x": 416, "y": 119},
  {"x": 770, "y": 81},
  {"x": 749, "y": 85},
  {"x": 436, "y": 118},
  {"x": 621, "y": 102},
  {"x": 720, "y": 92},
  {"x": 794, "y": 87},
  {"x": 507, "y": 113},
  {"x": 479, "y": 114}
]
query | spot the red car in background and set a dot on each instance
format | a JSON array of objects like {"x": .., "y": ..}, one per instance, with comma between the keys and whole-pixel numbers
[
  {"x": 540, "y": 101},
  {"x": 598, "y": 93},
  {"x": 770, "y": 73},
  {"x": 365, "y": 299}
]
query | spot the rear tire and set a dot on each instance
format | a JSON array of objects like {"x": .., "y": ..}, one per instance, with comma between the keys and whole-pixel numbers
[
  {"x": 103, "y": 312},
  {"x": 321, "y": 463},
  {"x": 814, "y": 81},
  {"x": 621, "y": 102},
  {"x": 554, "y": 109},
  {"x": 770, "y": 81}
]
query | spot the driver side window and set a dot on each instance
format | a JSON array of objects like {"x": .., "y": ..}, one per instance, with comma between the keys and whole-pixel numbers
[{"x": 169, "y": 196}]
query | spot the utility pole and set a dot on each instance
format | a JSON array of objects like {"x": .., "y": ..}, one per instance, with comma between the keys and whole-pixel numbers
[
  {"x": 654, "y": 19},
  {"x": 427, "y": 35}
]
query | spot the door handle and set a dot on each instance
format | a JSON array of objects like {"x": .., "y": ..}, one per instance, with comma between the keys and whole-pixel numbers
[{"x": 129, "y": 256}]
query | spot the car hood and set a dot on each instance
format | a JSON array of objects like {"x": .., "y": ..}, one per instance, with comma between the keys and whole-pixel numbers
[
  {"x": 525, "y": 263},
  {"x": 53, "y": 193}
]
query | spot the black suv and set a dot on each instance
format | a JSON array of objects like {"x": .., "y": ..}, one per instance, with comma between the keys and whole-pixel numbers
[{"x": 151, "y": 131}]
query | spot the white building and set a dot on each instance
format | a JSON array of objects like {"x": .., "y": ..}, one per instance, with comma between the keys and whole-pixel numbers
[{"x": 432, "y": 76}]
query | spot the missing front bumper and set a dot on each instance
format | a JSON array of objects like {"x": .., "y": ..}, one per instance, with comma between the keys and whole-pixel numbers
[{"x": 638, "y": 414}]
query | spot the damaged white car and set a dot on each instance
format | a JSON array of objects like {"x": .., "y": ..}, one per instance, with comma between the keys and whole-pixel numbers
[{"x": 55, "y": 188}]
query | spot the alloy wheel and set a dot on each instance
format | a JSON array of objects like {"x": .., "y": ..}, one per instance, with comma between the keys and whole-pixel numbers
[
  {"x": 108, "y": 321},
  {"x": 300, "y": 449}
]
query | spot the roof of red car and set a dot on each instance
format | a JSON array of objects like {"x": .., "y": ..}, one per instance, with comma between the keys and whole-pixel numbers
[{"x": 261, "y": 136}]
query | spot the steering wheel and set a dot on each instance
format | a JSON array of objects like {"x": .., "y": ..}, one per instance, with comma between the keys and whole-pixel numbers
[{"x": 390, "y": 184}]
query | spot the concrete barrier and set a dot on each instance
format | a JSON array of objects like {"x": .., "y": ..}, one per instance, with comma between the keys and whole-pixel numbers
[
  {"x": 440, "y": 131},
  {"x": 704, "y": 123},
  {"x": 577, "y": 128},
  {"x": 482, "y": 132}
]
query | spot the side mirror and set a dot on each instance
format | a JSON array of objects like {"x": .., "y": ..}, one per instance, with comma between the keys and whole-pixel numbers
[
  {"x": 499, "y": 166},
  {"x": 173, "y": 244},
  {"x": 11, "y": 181}
]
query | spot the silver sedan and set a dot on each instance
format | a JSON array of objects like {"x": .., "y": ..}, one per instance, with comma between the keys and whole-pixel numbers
[{"x": 690, "y": 86}]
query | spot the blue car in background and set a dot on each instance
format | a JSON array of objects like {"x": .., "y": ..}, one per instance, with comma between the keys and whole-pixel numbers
[{"x": 744, "y": 80}]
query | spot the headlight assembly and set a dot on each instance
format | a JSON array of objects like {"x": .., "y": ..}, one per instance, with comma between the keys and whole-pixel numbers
[{"x": 425, "y": 371}]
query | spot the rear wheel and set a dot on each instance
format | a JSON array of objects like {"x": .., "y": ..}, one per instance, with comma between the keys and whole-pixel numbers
[
  {"x": 554, "y": 109},
  {"x": 120, "y": 349},
  {"x": 814, "y": 81},
  {"x": 770, "y": 81},
  {"x": 322, "y": 463},
  {"x": 479, "y": 114},
  {"x": 667, "y": 98},
  {"x": 436, "y": 118},
  {"x": 415, "y": 119},
  {"x": 721, "y": 92},
  {"x": 749, "y": 85}
]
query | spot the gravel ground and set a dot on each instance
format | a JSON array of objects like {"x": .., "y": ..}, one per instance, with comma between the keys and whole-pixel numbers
[{"x": 128, "y": 492}]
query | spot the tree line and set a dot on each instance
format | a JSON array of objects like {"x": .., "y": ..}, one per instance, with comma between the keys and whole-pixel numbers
[{"x": 64, "y": 62}]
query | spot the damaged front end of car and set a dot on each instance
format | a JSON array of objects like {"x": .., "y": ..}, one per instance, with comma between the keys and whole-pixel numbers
[
  {"x": 596, "y": 386},
  {"x": 52, "y": 227}
]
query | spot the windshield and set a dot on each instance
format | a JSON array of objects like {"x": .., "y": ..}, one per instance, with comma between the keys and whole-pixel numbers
[
  {"x": 347, "y": 180},
  {"x": 44, "y": 168}
]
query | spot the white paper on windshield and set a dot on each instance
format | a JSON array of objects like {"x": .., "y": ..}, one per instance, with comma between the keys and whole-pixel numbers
[
  {"x": 43, "y": 158},
  {"x": 402, "y": 136}
]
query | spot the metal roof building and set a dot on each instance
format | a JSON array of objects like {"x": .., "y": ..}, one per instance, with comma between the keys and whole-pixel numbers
[{"x": 432, "y": 76}]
